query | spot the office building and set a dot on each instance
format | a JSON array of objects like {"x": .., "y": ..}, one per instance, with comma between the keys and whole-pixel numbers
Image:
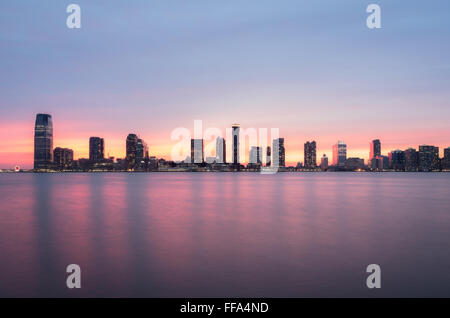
[
  {"x": 221, "y": 153},
  {"x": 62, "y": 158},
  {"x": 397, "y": 160},
  {"x": 278, "y": 153},
  {"x": 96, "y": 149},
  {"x": 268, "y": 157},
  {"x": 255, "y": 155},
  {"x": 411, "y": 160},
  {"x": 375, "y": 149},
  {"x": 428, "y": 158},
  {"x": 43, "y": 142},
  {"x": 324, "y": 162},
  {"x": 339, "y": 153},
  {"x": 235, "y": 144},
  {"x": 310, "y": 155},
  {"x": 197, "y": 151}
]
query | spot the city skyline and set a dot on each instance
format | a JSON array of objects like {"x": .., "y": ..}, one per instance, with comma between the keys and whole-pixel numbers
[
  {"x": 289, "y": 65},
  {"x": 243, "y": 152},
  {"x": 96, "y": 149}
]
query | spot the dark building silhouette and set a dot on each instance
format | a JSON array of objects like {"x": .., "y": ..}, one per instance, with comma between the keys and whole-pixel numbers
[
  {"x": 310, "y": 155},
  {"x": 235, "y": 144},
  {"x": 428, "y": 158},
  {"x": 268, "y": 157},
  {"x": 43, "y": 142},
  {"x": 354, "y": 164},
  {"x": 221, "y": 150},
  {"x": 131, "y": 148},
  {"x": 411, "y": 160},
  {"x": 446, "y": 160},
  {"x": 397, "y": 160},
  {"x": 375, "y": 149},
  {"x": 96, "y": 149},
  {"x": 63, "y": 158},
  {"x": 197, "y": 155},
  {"x": 324, "y": 162},
  {"x": 142, "y": 156},
  {"x": 279, "y": 153}
]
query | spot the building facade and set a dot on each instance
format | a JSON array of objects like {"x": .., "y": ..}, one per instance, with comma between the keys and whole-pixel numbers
[
  {"x": 197, "y": 151},
  {"x": 221, "y": 150},
  {"x": 411, "y": 160},
  {"x": 339, "y": 153},
  {"x": 43, "y": 142},
  {"x": 96, "y": 149},
  {"x": 310, "y": 155},
  {"x": 278, "y": 153},
  {"x": 235, "y": 144},
  {"x": 63, "y": 158},
  {"x": 428, "y": 158}
]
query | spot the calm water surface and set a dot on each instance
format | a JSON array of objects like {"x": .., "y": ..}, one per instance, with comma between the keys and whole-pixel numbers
[{"x": 225, "y": 234}]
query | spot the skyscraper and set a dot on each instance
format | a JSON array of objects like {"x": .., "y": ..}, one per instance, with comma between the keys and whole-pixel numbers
[
  {"x": 197, "y": 151},
  {"x": 397, "y": 160},
  {"x": 96, "y": 149},
  {"x": 255, "y": 155},
  {"x": 375, "y": 149},
  {"x": 310, "y": 155},
  {"x": 235, "y": 144},
  {"x": 131, "y": 147},
  {"x": 428, "y": 158},
  {"x": 268, "y": 157},
  {"x": 63, "y": 158},
  {"x": 141, "y": 153},
  {"x": 221, "y": 154},
  {"x": 43, "y": 142},
  {"x": 339, "y": 153},
  {"x": 278, "y": 153},
  {"x": 446, "y": 160},
  {"x": 324, "y": 162},
  {"x": 411, "y": 160}
]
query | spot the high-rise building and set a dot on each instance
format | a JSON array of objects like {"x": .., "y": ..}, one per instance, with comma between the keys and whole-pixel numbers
[
  {"x": 221, "y": 153},
  {"x": 411, "y": 160},
  {"x": 310, "y": 155},
  {"x": 446, "y": 160},
  {"x": 428, "y": 158},
  {"x": 197, "y": 151},
  {"x": 96, "y": 149},
  {"x": 339, "y": 153},
  {"x": 141, "y": 153},
  {"x": 62, "y": 158},
  {"x": 131, "y": 148},
  {"x": 43, "y": 142},
  {"x": 324, "y": 162},
  {"x": 268, "y": 157},
  {"x": 278, "y": 153},
  {"x": 397, "y": 160},
  {"x": 235, "y": 144},
  {"x": 375, "y": 149},
  {"x": 255, "y": 155}
]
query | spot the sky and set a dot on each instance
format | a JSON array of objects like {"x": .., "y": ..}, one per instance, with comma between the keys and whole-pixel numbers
[{"x": 310, "y": 68}]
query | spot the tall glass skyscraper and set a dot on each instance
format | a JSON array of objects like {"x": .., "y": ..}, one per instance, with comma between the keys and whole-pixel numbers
[
  {"x": 339, "y": 153},
  {"x": 43, "y": 142}
]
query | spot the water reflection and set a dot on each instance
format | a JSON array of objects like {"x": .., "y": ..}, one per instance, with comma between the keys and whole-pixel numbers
[{"x": 224, "y": 234}]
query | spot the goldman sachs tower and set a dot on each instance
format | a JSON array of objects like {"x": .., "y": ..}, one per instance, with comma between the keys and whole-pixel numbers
[{"x": 43, "y": 142}]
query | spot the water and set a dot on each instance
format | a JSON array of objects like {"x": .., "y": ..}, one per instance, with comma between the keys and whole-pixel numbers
[{"x": 225, "y": 234}]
